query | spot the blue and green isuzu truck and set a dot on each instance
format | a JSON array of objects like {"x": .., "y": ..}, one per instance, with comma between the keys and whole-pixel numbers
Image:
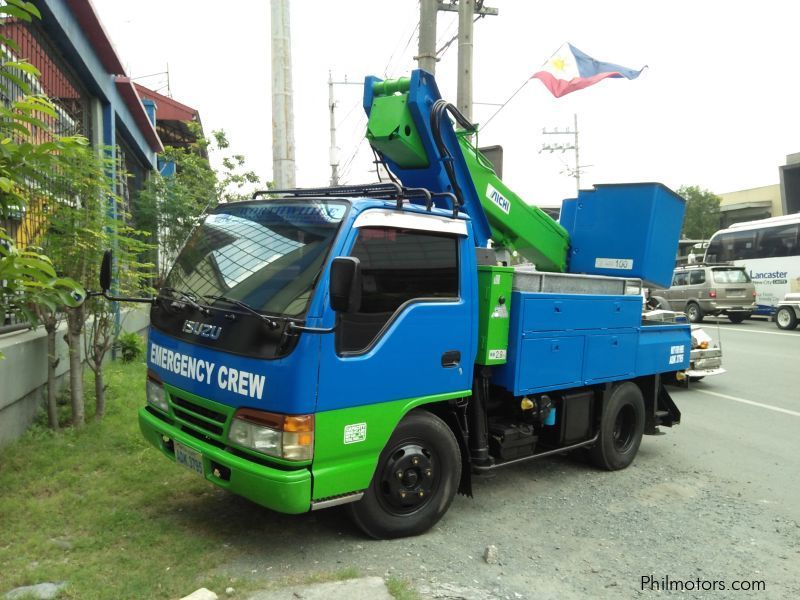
[{"x": 372, "y": 346}]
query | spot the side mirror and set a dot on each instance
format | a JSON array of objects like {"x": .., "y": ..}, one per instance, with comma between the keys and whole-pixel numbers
[
  {"x": 345, "y": 284},
  {"x": 105, "y": 271}
]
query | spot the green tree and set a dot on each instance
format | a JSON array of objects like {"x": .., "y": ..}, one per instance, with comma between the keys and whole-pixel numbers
[
  {"x": 101, "y": 331},
  {"x": 29, "y": 156},
  {"x": 68, "y": 181},
  {"x": 171, "y": 206},
  {"x": 702, "y": 212}
]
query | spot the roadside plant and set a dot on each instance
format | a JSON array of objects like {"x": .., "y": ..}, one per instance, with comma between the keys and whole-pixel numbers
[
  {"x": 171, "y": 206},
  {"x": 131, "y": 347},
  {"x": 29, "y": 154}
]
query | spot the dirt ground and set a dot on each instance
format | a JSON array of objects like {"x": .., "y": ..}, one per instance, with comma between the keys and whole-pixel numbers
[{"x": 562, "y": 530}]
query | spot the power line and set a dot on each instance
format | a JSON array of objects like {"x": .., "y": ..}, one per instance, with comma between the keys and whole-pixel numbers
[
  {"x": 394, "y": 52},
  {"x": 503, "y": 105},
  {"x": 441, "y": 51}
]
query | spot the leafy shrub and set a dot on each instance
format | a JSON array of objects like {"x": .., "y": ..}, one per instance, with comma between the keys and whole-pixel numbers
[{"x": 130, "y": 346}]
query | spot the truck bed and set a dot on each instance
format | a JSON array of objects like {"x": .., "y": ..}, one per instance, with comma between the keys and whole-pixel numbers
[{"x": 562, "y": 340}]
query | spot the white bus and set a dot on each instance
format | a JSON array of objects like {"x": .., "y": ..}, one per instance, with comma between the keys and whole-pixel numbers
[{"x": 769, "y": 250}]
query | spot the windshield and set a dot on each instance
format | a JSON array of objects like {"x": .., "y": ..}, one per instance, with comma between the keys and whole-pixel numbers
[
  {"x": 266, "y": 254},
  {"x": 730, "y": 276}
]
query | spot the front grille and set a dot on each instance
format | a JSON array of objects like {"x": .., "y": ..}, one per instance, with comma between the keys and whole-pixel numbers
[
  {"x": 200, "y": 410},
  {"x": 197, "y": 422},
  {"x": 195, "y": 417},
  {"x": 202, "y": 437}
]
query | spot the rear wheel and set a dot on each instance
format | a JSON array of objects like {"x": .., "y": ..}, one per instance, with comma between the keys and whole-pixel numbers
[
  {"x": 734, "y": 318},
  {"x": 415, "y": 481},
  {"x": 621, "y": 428},
  {"x": 786, "y": 318},
  {"x": 694, "y": 313}
]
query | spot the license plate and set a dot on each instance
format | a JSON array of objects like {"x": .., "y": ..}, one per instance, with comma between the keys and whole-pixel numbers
[{"x": 191, "y": 459}]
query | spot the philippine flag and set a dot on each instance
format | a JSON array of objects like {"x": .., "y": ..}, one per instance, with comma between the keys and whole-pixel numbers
[{"x": 569, "y": 69}]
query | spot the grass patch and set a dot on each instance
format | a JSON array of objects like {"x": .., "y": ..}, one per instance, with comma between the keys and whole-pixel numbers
[
  {"x": 97, "y": 508},
  {"x": 102, "y": 510},
  {"x": 401, "y": 589}
]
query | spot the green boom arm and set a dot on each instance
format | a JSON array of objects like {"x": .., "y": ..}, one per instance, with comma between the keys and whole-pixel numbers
[{"x": 419, "y": 149}]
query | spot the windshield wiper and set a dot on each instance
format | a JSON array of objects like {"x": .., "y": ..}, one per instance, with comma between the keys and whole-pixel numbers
[
  {"x": 269, "y": 321},
  {"x": 188, "y": 299}
]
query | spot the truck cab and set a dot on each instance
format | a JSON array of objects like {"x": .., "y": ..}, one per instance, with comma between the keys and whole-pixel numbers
[{"x": 222, "y": 376}]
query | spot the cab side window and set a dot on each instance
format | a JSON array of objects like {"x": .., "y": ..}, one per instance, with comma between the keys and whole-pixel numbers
[
  {"x": 397, "y": 266},
  {"x": 697, "y": 277},
  {"x": 679, "y": 279}
]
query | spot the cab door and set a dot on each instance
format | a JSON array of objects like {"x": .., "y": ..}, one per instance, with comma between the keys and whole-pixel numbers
[{"x": 413, "y": 336}]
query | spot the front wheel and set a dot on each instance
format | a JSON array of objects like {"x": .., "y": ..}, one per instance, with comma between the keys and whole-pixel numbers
[
  {"x": 786, "y": 318},
  {"x": 694, "y": 313},
  {"x": 415, "y": 481},
  {"x": 621, "y": 428}
]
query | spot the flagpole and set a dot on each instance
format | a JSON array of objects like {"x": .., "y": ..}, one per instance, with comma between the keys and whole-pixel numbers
[{"x": 577, "y": 159}]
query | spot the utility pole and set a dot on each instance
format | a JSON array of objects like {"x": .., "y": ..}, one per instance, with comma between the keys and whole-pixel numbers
[
  {"x": 426, "y": 52},
  {"x": 334, "y": 150},
  {"x": 576, "y": 173},
  {"x": 467, "y": 9},
  {"x": 283, "y": 165}
]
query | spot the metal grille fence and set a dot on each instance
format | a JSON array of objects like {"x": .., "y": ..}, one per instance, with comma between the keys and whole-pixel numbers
[{"x": 26, "y": 224}]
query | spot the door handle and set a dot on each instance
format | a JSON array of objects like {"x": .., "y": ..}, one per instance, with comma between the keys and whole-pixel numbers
[{"x": 451, "y": 358}]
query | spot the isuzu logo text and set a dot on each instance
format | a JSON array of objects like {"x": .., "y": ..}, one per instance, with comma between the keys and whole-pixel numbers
[{"x": 204, "y": 330}]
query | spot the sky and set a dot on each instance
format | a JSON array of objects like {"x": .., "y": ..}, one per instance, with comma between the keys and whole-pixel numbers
[{"x": 716, "y": 106}]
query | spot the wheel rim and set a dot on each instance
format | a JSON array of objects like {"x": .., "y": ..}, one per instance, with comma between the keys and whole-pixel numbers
[
  {"x": 783, "y": 318},
  {"x": 624, "y": 427},
  {"x": 409, "y": 479},
  {"x": 692, "y": 312}
]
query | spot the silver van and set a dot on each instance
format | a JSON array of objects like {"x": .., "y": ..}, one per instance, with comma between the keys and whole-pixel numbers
[{"x": 709, "y": 289}]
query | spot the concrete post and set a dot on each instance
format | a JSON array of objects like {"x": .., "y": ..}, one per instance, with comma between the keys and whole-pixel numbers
[
  {"x": 426, "y": 54},
  {"x": 283, "y": 165}
]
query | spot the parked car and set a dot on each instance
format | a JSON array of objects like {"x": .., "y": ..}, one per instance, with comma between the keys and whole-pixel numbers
[
  {"x": 705, "y": 357},
  {"x": 709, "y": 289},
  {"x": 787, "y": 314}
]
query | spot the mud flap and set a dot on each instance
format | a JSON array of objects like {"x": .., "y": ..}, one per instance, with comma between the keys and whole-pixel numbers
[
  {"x": 659, "y": 406},
  {"x": 667, "y": 412}
]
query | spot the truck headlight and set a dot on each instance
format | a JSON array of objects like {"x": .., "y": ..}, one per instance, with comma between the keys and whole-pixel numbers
[
  {"x": 290, "y": 437},
  {"x": 156, "y": 396}
]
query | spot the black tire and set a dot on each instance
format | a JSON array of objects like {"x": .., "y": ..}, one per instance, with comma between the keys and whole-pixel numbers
[
  {"x": 415, "y": 481},
  {"x": 737, "y": 318},
  {"x": 694, "y": 313},
  {"x": 785, "y": 318},
  {"x": 621, "y": 428},
  {"x": 693, "y": 379}
]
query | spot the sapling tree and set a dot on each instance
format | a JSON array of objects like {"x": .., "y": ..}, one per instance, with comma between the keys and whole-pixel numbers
[{"x": 172, "y": 205}]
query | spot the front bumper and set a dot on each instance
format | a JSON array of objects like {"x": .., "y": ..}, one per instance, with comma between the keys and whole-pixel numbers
[{"x": 286, "y": 491}]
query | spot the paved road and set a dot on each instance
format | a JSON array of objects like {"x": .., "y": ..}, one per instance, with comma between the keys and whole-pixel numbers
[{"x": 745, "y": 424}]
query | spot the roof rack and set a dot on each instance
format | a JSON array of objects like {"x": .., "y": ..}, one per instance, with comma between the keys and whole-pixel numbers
[
  {"x": 700, "y": 264},
  {"x": 387, "y": 191}
]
